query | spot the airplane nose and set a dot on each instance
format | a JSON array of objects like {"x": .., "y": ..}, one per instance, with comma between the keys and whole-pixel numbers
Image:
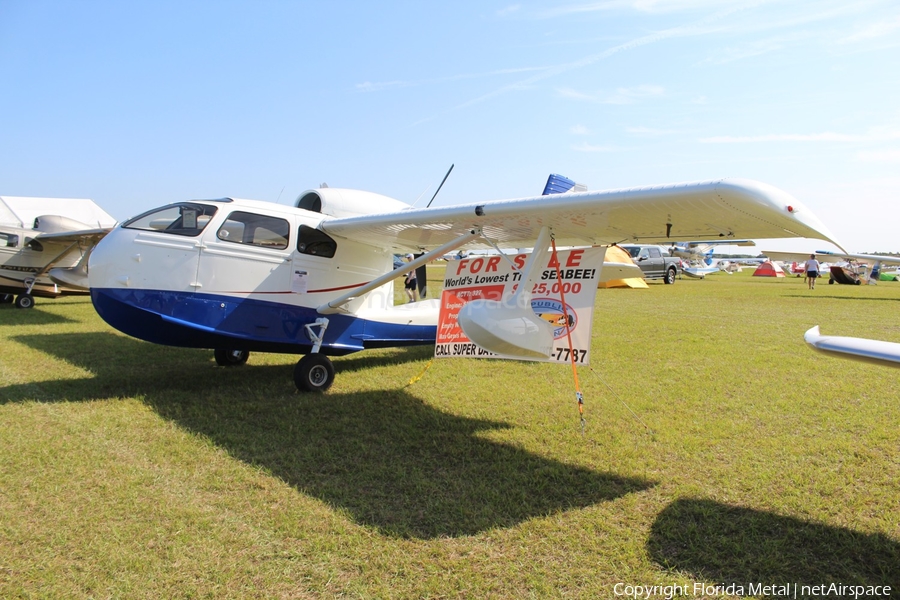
[{"x": 101, "y": 259}]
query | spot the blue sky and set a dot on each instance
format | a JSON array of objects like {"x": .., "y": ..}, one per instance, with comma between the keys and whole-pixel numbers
[{"x": 138, "y": 104}]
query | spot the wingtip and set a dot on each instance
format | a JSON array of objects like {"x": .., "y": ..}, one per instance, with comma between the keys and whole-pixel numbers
[{"x": 812, "y": 335}]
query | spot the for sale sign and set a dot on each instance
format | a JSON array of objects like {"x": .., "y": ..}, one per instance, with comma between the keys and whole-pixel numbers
[{"x": 571, "y": 275}]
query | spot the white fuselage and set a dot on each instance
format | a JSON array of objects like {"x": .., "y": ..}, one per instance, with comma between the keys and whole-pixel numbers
[
  {"x": 246, "y": 274},
  {"x": 217, "y": 261}
]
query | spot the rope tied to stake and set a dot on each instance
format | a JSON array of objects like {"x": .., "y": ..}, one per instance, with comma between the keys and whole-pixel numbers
[{"x": 579, "y": 397}]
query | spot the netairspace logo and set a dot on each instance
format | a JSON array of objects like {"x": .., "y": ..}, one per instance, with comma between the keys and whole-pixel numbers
[{"x": 786, "y": 590}]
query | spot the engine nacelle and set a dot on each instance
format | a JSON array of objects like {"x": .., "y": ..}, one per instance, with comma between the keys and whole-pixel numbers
[{"x": 337, "y": 202}]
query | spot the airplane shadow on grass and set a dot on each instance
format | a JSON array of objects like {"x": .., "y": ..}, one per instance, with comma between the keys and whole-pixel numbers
[
  {"x": 385, "y": 457},
  {"x": 833, "y": 297},
  {"x": 12, "y": 316},
  {"x": 728, "y": 544}
]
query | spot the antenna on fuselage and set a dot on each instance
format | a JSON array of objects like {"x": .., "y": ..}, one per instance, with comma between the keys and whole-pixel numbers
[{"x": 440, "y": 186}]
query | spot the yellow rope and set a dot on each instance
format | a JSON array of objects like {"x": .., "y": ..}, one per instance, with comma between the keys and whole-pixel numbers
[
  {"x": 420, "y": 375},
  {"x": 579, "y": 397}
]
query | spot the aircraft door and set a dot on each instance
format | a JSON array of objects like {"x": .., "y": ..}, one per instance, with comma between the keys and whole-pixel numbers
[
  {"x": 248, "y": 254},
  {"x": 165, "y": 249},
  {"x": 313, "y": 265}
]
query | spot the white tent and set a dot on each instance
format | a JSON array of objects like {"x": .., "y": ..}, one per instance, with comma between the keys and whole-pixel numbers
[{"x": 20, "y": 211}]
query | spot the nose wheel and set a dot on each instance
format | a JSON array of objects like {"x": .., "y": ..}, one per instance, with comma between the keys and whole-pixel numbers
[{"x": 314, "y": 373}]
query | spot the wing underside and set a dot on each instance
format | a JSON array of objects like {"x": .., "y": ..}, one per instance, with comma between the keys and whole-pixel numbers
[
  {"x": 84, "y": 237},
  {"x": 722, "y": 209}
]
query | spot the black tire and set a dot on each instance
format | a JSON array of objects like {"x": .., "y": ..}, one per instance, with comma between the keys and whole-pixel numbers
[
  {"x": 24, "y": 301},
  {"x": 231, "y": 358},
  {"x": 831, "y": 282},
  {"x": 6, "y": 298},
  {"x": 670, "y": 275},
  {"x": 314, "y": 373}
]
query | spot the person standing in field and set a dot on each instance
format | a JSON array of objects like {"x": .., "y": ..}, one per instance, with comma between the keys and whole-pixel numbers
[
  {"x": 410, "y": 283},
  {"x": 812, "y": 271}
]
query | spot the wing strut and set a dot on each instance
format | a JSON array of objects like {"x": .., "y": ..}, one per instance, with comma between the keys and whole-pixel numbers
[
  {"x": 58, "y": 258},
  {"x": 501, "y": 253},
  {"x": 335, "y": 305}
]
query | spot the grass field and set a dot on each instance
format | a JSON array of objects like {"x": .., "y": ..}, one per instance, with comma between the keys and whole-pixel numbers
[{"x": 139, "y": 471}]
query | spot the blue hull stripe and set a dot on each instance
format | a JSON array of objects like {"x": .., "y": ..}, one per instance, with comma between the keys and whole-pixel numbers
[{"x": 213, "y": 321}]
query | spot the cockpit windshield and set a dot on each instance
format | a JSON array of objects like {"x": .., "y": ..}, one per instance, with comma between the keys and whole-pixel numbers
[{"x": 181, "y": 219}]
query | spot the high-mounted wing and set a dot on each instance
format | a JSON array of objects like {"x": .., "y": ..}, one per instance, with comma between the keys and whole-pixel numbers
[
  {"x": 827, "y": 254},
  {"x": 798, "y": 257},
  {"x": 728, "y": 208},
  {"x": 891, "y": 260},
  {"x": 726, "y": 242},
  {"x": 76, "y": 276},
  {"x": 84, "y": 236}
]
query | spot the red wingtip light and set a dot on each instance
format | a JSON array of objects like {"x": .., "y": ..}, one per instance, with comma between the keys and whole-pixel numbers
[{"x": 790, "y": 208}]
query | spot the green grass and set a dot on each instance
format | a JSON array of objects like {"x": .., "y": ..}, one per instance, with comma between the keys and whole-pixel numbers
[{"x": 134, "y": 470}]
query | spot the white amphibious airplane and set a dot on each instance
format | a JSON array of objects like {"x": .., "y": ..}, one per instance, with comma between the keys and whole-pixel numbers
[
  {"x": 703, "y": 250},
  {"x": 45, "y": 244},
  {"x": 317, "y": 279},
  {"x": 699, "y": 255}
]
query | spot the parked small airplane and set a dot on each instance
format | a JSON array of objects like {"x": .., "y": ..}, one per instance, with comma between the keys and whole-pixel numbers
[
  {"x": 699, "y": 255},
  {"x": 239, "y": 275},
  {"x": 840, "y": 273},
  {"x": 44, "y": 246},
  {"x": 796, "y": 268},
  {"x": 703, "y": 250},
  {"x": 701, "y": 270},
  {"x": 875, "y": 271}
]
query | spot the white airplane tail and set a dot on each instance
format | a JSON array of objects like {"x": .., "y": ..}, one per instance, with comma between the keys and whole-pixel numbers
[{"x": 874, "y": 274}]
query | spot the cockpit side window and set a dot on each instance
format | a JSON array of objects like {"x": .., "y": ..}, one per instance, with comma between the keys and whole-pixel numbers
[
  {"x": 315, "y": 242},
  {"x": 257, "y": 230},
  {"x": 9, "y": 240},
  {"x": 179, "y": 219}
]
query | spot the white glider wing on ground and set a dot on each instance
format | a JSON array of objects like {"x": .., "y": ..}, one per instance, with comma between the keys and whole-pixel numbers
[{"x": 873, "y": 351}]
